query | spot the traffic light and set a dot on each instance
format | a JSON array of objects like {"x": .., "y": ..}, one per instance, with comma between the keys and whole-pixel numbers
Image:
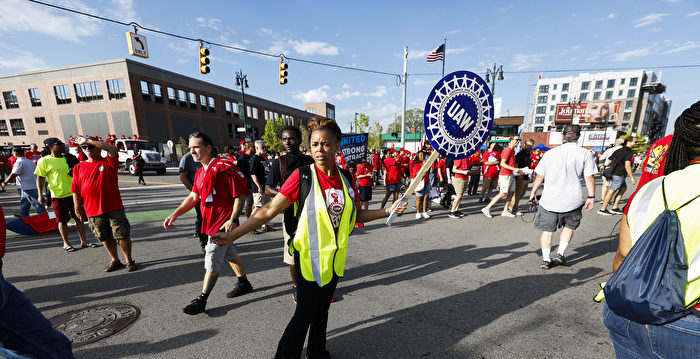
[
  {"x": 283, "y": 72},
  {"x": 203, "y": 60}
]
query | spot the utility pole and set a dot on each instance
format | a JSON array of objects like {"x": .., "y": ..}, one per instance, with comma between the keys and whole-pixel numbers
[
  {"x": 405, "y": 83},
  {"x": 242, "y": 82}
]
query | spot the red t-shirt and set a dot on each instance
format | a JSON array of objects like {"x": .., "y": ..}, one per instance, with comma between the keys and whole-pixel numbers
[
  {"x": 97, "y": 183},
  {"x": 654, "y": 164},
  {"x": 33, "y": 155},
  {"x": 462, "y": 165},
  {"x": 364, "y": 169},
  {"x": 415, "y": 168},
  {"x": 534, "y": 159},
  {"x": 393, "y": 171},
  {"x": 492, "y": 170},
  {"x": 508, "y": 155},
  {"x": 218, "y": 207},
  {"x": 332, "y": 188},
  {"x": 474, "y": 162},
  {"x": 442, "y": 168},
  {"x": 377, "y": 161},
  {"x": 4, "y": 163},
  {"x": 82, "y": 156}
]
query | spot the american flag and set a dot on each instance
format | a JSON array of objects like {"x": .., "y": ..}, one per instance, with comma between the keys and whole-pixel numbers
[{"x": 437, "y": 54}]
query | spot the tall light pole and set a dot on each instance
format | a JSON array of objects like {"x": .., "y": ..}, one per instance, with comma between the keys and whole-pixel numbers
[
  {"x": 354, "y": 122},
  {"x": 242, "y": 82},
  {"x": 491, "y": 75}
]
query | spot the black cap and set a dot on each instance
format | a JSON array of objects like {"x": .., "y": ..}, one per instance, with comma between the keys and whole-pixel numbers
[{"x": 52, "y": 141}]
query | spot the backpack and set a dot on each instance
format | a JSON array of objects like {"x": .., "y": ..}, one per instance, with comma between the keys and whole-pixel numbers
[
  {"x": 304, "y": 187},
  {"x": 649, "y": 286}
]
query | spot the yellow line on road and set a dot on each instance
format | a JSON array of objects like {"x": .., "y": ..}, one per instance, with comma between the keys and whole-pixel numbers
[{"x": 172, "y": 184}]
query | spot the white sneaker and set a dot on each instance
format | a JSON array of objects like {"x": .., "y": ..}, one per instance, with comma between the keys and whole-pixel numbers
[
  {"x": 418, "y": 216},
  {"x": 486, "y": 213},
  {"x": 519, "y": 213},
  {"x": 436, "y": 200},
  {"x": 425, "y": 215},
  {"x": 507, "y": 214}
]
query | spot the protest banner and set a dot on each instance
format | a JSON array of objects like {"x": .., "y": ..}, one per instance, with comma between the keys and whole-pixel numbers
[{"x": 354, "y": 148}]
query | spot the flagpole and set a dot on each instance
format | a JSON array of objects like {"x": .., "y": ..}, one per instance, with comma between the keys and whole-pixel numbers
[
  {"x": 444, "y": 55},
  {"x": 405, "y": 83}
]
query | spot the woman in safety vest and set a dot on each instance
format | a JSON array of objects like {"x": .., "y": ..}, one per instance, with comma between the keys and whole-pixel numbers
[
  {"x": 326, "y": 201},
  {"x": 680, "y": 192}
]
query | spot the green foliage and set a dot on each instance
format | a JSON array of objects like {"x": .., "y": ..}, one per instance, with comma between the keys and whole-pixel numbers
[
  {"x": 181, "y": 147},
  {"x": 271, "y": 136},
  {"x": 375, "y": 135},
  {"x": 304, "y": 136},
  {"x": 414, "y": 117},
  {"x": 361, "y": 123},
  {"x": 641, "y": 145}
]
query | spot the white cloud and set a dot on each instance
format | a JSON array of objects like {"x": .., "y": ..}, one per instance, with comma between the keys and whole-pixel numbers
[
  {"x": 304, "y": 47},
  {"x": 624, "y": 56},
  {"x": 610, "y": 16},
  {"x": 380, "y": 92},
  {"x": 693, "y": 14},
  {"x": 124, "y": 10},
  {"x": 649, "y": 19},
  {"x": 266, "y": 31},
  {"x": 213, "y": 23},
  {"x": 314, "y": 95},
  {"x": 346, "y": 94},
  {"x": 16, "y": 59},
  {"x": 20, "y": 16},
  {"x": 683, "y": 47},
  {"x": 412, "y": 54},
  {"x": 346, "y": 86},
  {"x": 524, "y": 61}
]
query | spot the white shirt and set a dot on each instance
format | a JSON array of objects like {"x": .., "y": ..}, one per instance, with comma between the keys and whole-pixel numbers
[
  {"x": 24, "y": 169},
  {"x": 563, "y": 169},
  {"x": 606, "y": 155}
]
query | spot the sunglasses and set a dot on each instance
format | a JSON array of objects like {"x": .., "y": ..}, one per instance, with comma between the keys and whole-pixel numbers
[
  {"x": 193, "y": 134},
  {"x": 89, "y": 147}
]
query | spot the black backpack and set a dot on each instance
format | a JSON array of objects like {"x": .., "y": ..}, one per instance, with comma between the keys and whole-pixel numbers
[{"x": 649, "y": 286}]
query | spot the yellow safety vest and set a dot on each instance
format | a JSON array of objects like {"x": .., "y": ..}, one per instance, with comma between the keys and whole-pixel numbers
[{"x": 321, "y": 251}]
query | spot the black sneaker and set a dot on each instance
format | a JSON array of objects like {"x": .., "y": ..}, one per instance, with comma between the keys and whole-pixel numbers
[
  {"x": 239, "y": 289},
  {"x": 460, "y": 214},
  {"x": 195, "y": 307},
  {"x": 616, "y": 211},
  {"x": 546, "y": 264},
  {"x": 559, "y": 260},
  {"x": 453, "y": 215},
  {"x": 604, "y": 212}
]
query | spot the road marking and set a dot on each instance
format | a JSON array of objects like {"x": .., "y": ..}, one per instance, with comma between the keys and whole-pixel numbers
[{"x": 167, "y": 183}]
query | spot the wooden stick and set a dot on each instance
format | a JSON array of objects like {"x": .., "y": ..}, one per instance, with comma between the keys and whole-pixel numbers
[{"x": 414, "y": 184}]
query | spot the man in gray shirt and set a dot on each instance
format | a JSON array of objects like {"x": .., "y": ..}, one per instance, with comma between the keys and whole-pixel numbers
[
  {"x": 23, "y": 171},
  {"x": 188, "y": 167}
]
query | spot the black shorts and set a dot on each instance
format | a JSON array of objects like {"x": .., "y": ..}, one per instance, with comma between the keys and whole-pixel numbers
[
  {"x": 547, "y": 221},
  {"x": 365, "y": 193}
]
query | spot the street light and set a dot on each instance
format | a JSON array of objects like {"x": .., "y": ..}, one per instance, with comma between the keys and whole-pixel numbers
[
  {"x": 355, "y": 122},
  {"x": 491, "y": 75},
  {"x": 242, "y": 82}
]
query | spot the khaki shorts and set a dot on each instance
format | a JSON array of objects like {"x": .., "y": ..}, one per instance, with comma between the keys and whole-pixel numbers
[
  {"x": 260, "y": 199},
  {"x": 288, "y": 258},
  {"x": 490, "y": 183},
  {"x": 506, "y": 183},
  {"x": 460, "y": 184},
  {"x": 110, "y": 225}
]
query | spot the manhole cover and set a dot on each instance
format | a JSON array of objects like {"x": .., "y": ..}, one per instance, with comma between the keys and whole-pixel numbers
[{"x": 94, "y": 323}]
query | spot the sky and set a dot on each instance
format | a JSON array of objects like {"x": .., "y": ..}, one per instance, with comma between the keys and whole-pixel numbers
[{"x": 526, "y": 38}]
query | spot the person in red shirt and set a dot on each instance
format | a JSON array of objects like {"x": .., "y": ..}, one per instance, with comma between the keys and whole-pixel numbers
[
  {"x": 220, "y": 188},
  {"x": 653, "y": 166},
  {"x": 34, "y": 153},
  {"x": 535, "y": 157},
  {"x": 376, "y": 166},
  {"x": 392, "y": 180},
  {"x": 506, "y": 179},
  {"x": 490, "y": 160},
  {"x": 82, "y": 157},
  {"x": 441, "y": 173},
  {"x": 5, "y": 167},
  {"x": 96, "y": 199},
  {"x": 364, "y": 182},
  {"x": 461, "y": 170},
  {"x": 422, "y": 193},
  {"x": 474, "y": 169}
]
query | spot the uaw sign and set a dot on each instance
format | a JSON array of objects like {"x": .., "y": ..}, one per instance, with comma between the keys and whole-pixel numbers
[
  {"x": 354, "y": 148},
  {"x": 458, "y": 114}
]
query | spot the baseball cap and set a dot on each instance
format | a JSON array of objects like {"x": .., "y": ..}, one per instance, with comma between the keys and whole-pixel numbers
[{"x": 52, "y": 141}]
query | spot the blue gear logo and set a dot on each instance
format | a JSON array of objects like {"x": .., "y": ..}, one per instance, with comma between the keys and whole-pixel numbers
[{"x": 458, "y": 114}]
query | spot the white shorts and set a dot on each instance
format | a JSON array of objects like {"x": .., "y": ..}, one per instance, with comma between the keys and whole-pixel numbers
[
  {"x": 506, "y": 183},
  {"x": 260, "y": 199},
  {"x": 215, "y": 255}
]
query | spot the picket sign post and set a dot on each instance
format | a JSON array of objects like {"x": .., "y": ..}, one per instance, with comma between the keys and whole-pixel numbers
[{"x": 414, "y": 184}]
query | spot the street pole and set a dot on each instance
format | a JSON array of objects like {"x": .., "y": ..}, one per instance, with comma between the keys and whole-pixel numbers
[
  {"x": 242, "y": 81},
  {"x": 405, "y": 83},
  {"x": 354, "y": 123},
  {"x": 444, "y": 55}
]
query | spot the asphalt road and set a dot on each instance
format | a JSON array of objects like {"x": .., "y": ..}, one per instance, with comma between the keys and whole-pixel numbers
[{"x": 436, "y": 288}]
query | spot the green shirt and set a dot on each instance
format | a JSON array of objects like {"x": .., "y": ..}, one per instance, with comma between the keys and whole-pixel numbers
[{"x": 55, "y": 169}]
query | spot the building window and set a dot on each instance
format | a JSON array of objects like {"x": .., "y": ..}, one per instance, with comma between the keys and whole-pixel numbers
[
  {"x": 17, "y": 127},
  {"x": 313, "y": 110},
  {"x": 554, "y": 87},
  {"x": 608, "y": 95},
  {"x": 40, "y": 119},
  {"x": 554, "y": 97},
  {"x": 212, "y": 108},
  {"x": 34, "y": 97},
  {"x": 628, "y": 105},
  {"x": 565, "y": 87},
  {"x": 330, "y": 113},
  {"x": 551, "y": 107},
  {"x": 583, "y": 96},
  {"x": 541, "y": 110},
  {"x": 599, "y": 84},
  {"x": 10, "y": 99},
  {"x": 619, "y": 94},
  {"x": 551, "y": 118},
  {"x": 227, "y": 105},
  {"x": 633, "y": 81},
  {"x": 203, "y": 102},
  {"x": 539, "y": 129},
  {"x": 255, "y": 113},
  {"x": 192, "y": 100},
  {"x": 230, "y": 126},
  {"x": 542, "y": 99},
  {"x": 235, "y": 107},
  {"x": 539, "y": 120},
  {"x": 171, "y": 96},
  {"x": 144, "y": 88},
  {"x": 115, "y": 89},
  {"x": 182, "y": 98},
  {"x": 88, "y": 91},
  {"x": 622, "y": 81},
  {"x": 3, "y": 128},
  {"x": 630, "y": 93},
  {"x": 611, "y": 83},
  {"x": 157, "y": 93},
  {"x": 564, "y": 97},
  {"x": 248, "y": 111},
  {"x": 596, "y": 95},
  {"x": 43, "y": 132},
  {"x": 544, "y": 89},
  {"x": 62, "y": 94},
  {"x": 585, "y": 85},
  {"x": 626, "y": 116}
]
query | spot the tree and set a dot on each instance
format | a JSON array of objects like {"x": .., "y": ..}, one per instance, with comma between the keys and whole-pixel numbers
[
  {"x": 304, "y": 136},
  {"x": 361, "y": 123},
  {"x": 641, "y": 145},
  {"x": 375, "y": 135},
  {"x": 271, "y": 136},
  {"x": 414, "y": 118}
]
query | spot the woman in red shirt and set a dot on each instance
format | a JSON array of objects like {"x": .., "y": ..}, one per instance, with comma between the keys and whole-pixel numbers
[
  {"x": 364, "y": 182},
  {"x": 392, "y": 180},
  {"x": 422, "y": 193}
]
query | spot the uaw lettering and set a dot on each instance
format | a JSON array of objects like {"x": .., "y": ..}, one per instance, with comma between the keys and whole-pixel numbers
[
  {"x": 354, "y": 148},
  {"x": 460, "y": 116}
]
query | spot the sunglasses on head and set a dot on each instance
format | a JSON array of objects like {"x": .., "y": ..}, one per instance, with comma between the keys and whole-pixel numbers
[
  {"x": 193, "y": 134},
  {"x": 88, "y": 147}
]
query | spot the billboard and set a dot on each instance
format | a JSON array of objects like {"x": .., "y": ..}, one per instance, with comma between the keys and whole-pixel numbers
[{"x": 588, "y": 112}]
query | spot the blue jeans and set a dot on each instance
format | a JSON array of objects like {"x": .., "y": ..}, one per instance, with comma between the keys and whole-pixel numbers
[
  {"x": 25, "y": 330},
  {"x": 679, "y": 339},
  {"x": 29, "y": 197}
]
